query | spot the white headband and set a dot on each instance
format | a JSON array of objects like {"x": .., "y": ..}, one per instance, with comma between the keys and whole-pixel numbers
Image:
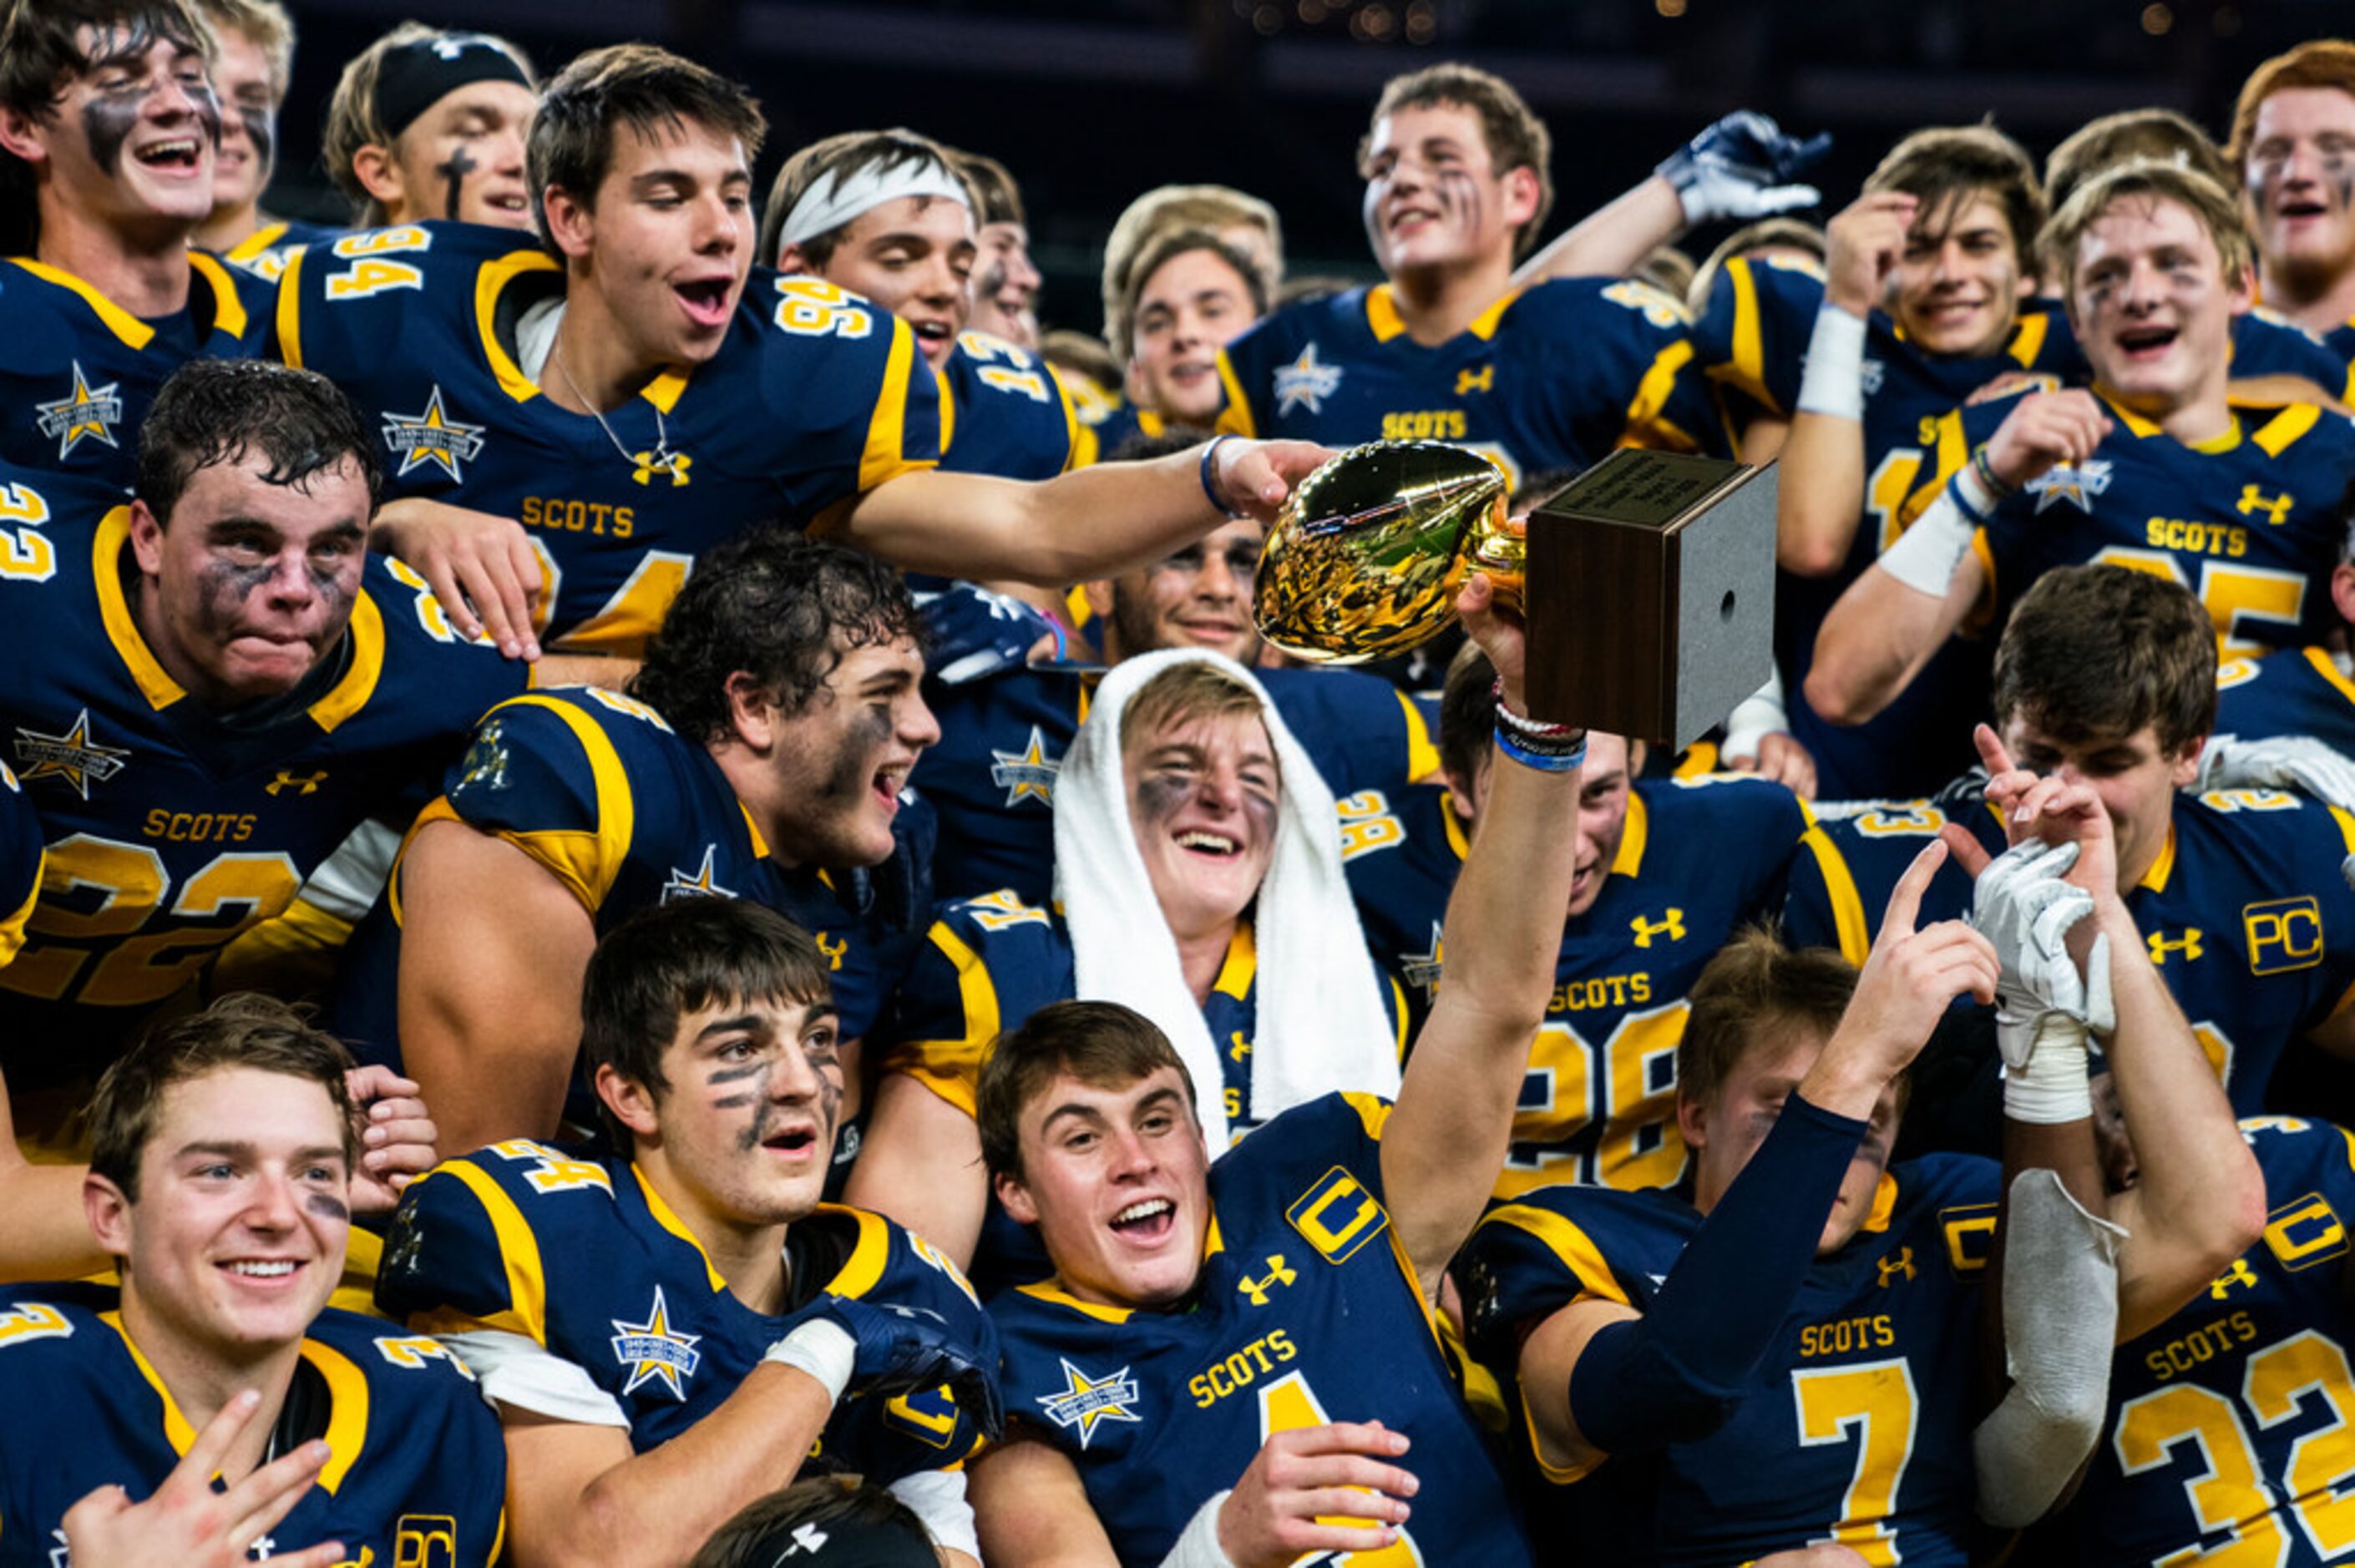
[{"x": 830, "y": 203}]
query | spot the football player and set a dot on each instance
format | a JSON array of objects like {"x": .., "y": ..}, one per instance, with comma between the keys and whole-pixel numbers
[
  {"x": 885, "y": 213},
  {"x": 1925, "y": 299},
  {"x": 429, "y": 123},
  {"x": 1790, "y": 1337},
  {"x": 2293, "y": 135},
  {"x": 1191, "y": 295},
  {"x": 1005, "y": 281},
  {"x": 763, "y": 756},
  {"x": 2105, "y": 675},
  {"x": 669, "y": 1330},
  {"x": 1224, "y": 1346},
  {"x": 108, "y": 131},
  {"x": 1456, "y": 189},
  {"x": 1667, "y": 871},
  {"x": 1207, "y": 794},
  {"x": 253, "y": 55},
  {"x": 215, "y": 683},
  {"x": 644, "y": 399},
  {"x": 2308, "y": 691},
  {"x": 2155, "y": 469},
  {"x": 1005, "y": 729},
  {"x": 220, "y": 1183}
]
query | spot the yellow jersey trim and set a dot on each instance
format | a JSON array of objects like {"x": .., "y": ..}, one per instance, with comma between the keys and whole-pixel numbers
[
  {"x": 490, "y": 283},
  {"x": 1567, "y": 1242},
  {"x": 176, "y": 1430},
  {"x": 2327, "y": 667},
  {"x": 1046, "y": 1291},
  {"x": 2027, "y": 338},
  {"x": 1884, "y": 1204},
  {"x": 667, "y": 1218},
  {"x": 1848, "y": 904},
  {"x": 254, "y": 244},
  {"x": 12, "y": 930},
  {"x": 228, "y": 306},
  {"x": 886, "y": 455},
  {"x": 526, "y": 1308},
  {"x": 134, "y": 333},
  {"x": 359, "y": 683},
  {"x": 1646, "y": 424},
  {"x": 948, "y": 409},
  {"x": 1421, "y": 756},
  {"x": 1383, "y": 318},
  {"x": 1748, "y": 370},
  {"x": 859, "y": 1274},
  {"x": 114, "y": 612},
  {"x": 1459, "y": 838},
  {"x": 347, "y": 1410},
  {"x": 1241, "y": 964},
  {"x": 289, "y": 309},
  {"x": 2164, "y": 866},
  {"x": 1629, "y": 861},
  {"x": 585, "y": 863},
  {"x": 1235, "y": 418},
  {"x": 1484, "y": 325},
  {"x": 2276, "y": 433},
  {"x": 950, "y": 1068}
]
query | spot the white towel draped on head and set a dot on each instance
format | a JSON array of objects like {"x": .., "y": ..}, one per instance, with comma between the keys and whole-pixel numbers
[{"x": 1321, "y": 1023}]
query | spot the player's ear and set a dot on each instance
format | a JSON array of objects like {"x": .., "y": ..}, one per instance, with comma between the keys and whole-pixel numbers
[
  {"x": 1521, "y": 195},
  {"x": 108, "y": 1209},
  {"x": 1014, "y": 1198},
  {"x": 379, "y": 176},
  {"x": 1692, "y": 1121},
  {"x": 791, "y": 260},
  {"x": 25, "y": 135},
  {"x": 1462, "y": 793},
  {"x": 147, "y": 539},
  {"x": 1098, "y": 594},
  {"x": 2342, "y": 591},
  {"x": 571, "y": 226},
  {"x": 752, "y": 711},
  {"x": 630, "y": 1102},
  {"x": 2185, "y": 766}
]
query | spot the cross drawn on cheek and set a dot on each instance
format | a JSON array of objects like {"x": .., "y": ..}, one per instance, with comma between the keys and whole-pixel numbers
[{"x": 459, "y": 164}]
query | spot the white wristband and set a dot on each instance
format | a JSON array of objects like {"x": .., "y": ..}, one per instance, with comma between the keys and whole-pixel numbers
[
  {"x": 2052, "y": 1087},
  {"x": 823, "y": 1349},
  {"x": 1926, "y": 555},
  {"x": 1761, "y": 713},
  {"x": 1198, "y": 1546},
  {"x": 1833, "y": 383}
]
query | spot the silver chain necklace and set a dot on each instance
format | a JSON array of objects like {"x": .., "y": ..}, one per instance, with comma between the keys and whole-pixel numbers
[{"x": 662, "y": 460}]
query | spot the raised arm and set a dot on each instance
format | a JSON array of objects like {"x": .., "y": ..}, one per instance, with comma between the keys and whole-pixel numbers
[
  {"x": 1096, "y": 523},
  {"x": 1820, "y": 500},
  {"x": 1445, "y": 1141}
]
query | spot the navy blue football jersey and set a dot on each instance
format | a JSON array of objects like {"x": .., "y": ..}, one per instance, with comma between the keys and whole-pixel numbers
[
  {"x": 992, "y": 773},
  {"x": 2228, "y": 1437},
  {"x": 1305, "y": 1313},
  {"x": 816, "y": 397},
  {"x": 1003, "y": 411},
  {"x": 2249, "y": 522},
  {"x": 614, "y": 804},
  {"x": 20, "y": 863},
  {"x": 1858, "y": 1429},
  {"x": 584, "y": 1257},
  {"x": 80, "y": 370},
  {"x": 2244, "y": 912},
  {"x": 2294, "y": 691},
  {"x": 1551, "y": 379},
  {"x": 1753, "y": 340},
  {"x": 171, "y": 827},
  {"x": 1699, "y": 860},
  {"x": 419, "y": 1466},
  {"x": 265, "y": 251},
  {"x": 2267, "y": 343}
]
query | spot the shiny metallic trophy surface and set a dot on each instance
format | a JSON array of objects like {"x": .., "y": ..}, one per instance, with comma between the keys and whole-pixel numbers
[
  {"x": 1371, "y": 549},
  {"x": 1646, "y": 582}
]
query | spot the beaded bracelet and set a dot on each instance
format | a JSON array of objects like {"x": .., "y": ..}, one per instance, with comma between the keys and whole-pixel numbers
[
  {"x": 1544, "y": 759},
  {"x": 1522, "y": 724},
  {"x": 1985, "y": 469}
]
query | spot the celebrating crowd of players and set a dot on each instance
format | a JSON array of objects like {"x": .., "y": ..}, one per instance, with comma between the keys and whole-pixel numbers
[{"x": 646, "y": 786}]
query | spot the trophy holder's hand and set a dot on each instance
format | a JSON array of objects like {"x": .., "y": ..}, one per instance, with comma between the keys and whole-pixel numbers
[{"x": 1490, "y": 609}]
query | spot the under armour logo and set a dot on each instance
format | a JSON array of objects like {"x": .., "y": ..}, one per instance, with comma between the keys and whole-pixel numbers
[
  {"x": 1481, "y": 380},
  {"x": 2187, "y": 944},
  {"x": 1257, "y": 1290},
  {"x": 1892, "y": 1268},
  {"x": 673, "y": 464},
  {"x": 1673, "y": 929},
  {"x": 834, "y": 947},
  {"x": 2239, "y": 1274},
  {"x": 307, "y": 784},
  {"x": 2253, "y": 501},
  {"x": 1237, "y": 1047}
]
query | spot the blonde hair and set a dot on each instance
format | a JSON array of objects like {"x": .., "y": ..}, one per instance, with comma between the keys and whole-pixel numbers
[
  {"x": 1166, "y": 207},
  {"x": 268, "y": 24},
  {"x": 2206, "y": 200}
]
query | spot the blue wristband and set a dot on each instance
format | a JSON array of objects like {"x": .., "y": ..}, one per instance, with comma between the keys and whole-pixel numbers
[
  {"x": 1209, "y": 489},
  {"x": 1543, "y": 762}
]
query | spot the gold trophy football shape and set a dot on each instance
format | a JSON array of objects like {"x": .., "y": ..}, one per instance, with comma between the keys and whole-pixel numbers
[{"x": 1647, "y": 583}]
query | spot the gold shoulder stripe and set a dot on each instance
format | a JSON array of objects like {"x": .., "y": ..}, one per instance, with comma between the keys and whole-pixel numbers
[
  {"x": 490, "y": 283},
  {"x": 663, "y": 1214},
  {"x": 229, "y": 305},
  {"x": 1840, "y": 887},
  {"x": 359, "y": 683},
  {"x": 114, "y": 613},
  {"x": 348, "y": 1411},
  {"x": 864, "y": 1268},
  {"x": 1235, "y": 418},
  {"x": 886, "y": 454},
  {"x": 176, "y": 1430},
  {"x": 289, "y": 309},
  {"x": 586, "y": 862},
  {"x": 1573, "y": 1247},
  {"x": 134, "y": 333},
  {"x": 527, "y": 1309},
  {"x": 2276, "y": 433}
]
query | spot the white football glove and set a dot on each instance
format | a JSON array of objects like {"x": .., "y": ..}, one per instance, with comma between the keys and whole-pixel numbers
[
  {"x": 1742, "y": 167},
  {"x": 2045, "y": 1010},
  {"x": 2284, "y": 762}
]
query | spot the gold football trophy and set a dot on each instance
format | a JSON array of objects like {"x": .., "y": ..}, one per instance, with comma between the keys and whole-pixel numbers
[{"x": 1646, "y": 582}]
